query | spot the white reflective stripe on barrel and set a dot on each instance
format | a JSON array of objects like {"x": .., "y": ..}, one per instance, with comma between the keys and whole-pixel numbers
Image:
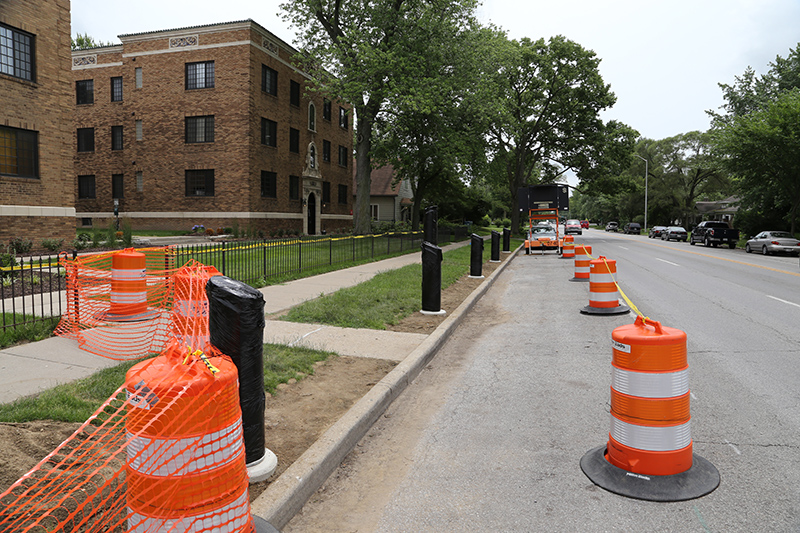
[
  {"x": 651, "y": 438},
  {"x": 128, "y": 297},
  {"x": 603, "y": 296},
  {"x": 231, "y": 517},
  {"x": 168, "y": 457},
  {"x": 650, "y": 384},
  {"x": 602, "y": 278},
  {"x": 122, "y": 274}
]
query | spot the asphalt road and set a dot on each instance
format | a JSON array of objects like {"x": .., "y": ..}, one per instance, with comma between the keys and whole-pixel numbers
[{"x": 490, "y": 437}]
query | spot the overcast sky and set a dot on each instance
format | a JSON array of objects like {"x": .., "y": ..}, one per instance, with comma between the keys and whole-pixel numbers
[{"x": 663, "y": 59}]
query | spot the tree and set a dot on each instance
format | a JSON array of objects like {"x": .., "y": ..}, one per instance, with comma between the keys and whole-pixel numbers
[
  {"x": 85, "y": 41},
  {"x": 367, "y": 52},
  {"x": 548, "y": 97},
  {"x": 762, "y": 148}
]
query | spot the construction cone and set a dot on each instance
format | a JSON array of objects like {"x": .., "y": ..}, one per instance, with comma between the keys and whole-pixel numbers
[
  {"x": 603, "y": 292},
  {"x": 583, "y": 255},
  {"x": 649, "y": 451},
  {"x": 568, "y": 251}
]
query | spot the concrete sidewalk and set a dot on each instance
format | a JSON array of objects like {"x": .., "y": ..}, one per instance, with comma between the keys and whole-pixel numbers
[{"x": 30, "y": 368}]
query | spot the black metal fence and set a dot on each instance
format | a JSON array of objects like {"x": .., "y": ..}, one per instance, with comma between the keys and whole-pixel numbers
[{"x": 33, "y": 290}]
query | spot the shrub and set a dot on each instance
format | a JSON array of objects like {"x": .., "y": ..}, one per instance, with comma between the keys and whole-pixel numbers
[
  {"x": 97, "y": 237},
  {"x": 209, "y": 232},
  {"x": 485, "y": 221},
  {"x": 20, "y": 245},
  {"x": 84, "y": 237},
  {"x": 506, "y": 223},
  {"x": 111, "y": 234},
  {"x": 127, "y": 233},
  {"x": 53, "y": 245},
  {"x": 7, "y": 259}
]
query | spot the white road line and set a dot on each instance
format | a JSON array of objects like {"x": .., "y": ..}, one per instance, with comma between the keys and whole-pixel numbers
[
  {"x": 668, "y": 262},
  {"x": 782, "y": 301},
  {"x": 624, "y": 248}
]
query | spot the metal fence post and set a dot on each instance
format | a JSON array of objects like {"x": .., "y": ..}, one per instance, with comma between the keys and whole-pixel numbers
[
  {"x": 300, "y": 254},
  {"x": 223, "y": 258}
]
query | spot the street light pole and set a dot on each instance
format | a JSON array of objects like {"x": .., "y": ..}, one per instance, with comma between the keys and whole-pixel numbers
[{"x": 645, "y": 190}]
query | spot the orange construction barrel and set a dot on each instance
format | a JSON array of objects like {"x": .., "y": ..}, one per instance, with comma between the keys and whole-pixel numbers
[
  {"x": 603, "y": 291},
  {"x": 568, "y": 251},
  {"x": 583, "y": 255},
  {"x": 189, "y": 316},
  {"x": 128, "y": 286}
]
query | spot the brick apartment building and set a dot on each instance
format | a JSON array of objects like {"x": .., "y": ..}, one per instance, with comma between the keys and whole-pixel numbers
[
  {"x": 208, "y": 125},
  {"x": 36, "y": 179}
]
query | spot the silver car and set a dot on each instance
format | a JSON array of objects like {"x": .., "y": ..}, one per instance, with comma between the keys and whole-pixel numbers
[{"x": 770, "y": 242}]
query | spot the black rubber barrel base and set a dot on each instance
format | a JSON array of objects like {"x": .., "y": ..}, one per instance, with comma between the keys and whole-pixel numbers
[
  {"x": 618, "y": 310},
  {"x": 580, "y": 279},
  {"x": 701, "y": 479}
]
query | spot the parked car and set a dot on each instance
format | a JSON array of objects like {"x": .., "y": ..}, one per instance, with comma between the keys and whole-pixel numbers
[
  {"x": 585, "y": 224},
  {"x": 632, "y": 228},
  {"x": 612, "y": 226},
  {"x": 714, "y": 232},
  {"x": 676, "y": 233},
  {"x": 655, "y": 232},
  {"x": 573, "y": 226},
  {"x": 771, "y": 242}
]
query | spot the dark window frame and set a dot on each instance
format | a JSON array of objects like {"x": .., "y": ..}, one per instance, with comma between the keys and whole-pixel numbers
[
  {"x": 193, "y": 179},
  {"x": 294, "y": 141},
  {"x": 85, "y": 140},
  {"x": 343, "y": 156},
  {"x": 342, "y": 194},
  {"x": 269, "y": 184},
  {"x": 17, "y": 53},
  {"x": 294, "y": 93},
  {"x": 117, "y": 138},
  {"x": 84, "y": 92},
  {"x": 294, "y": 187},
  {"x": 193, "y": 79},
  {"x": 21, "y": 152},
  {"x": 326, "y": 109},
  {"x": 87, "y": 187},
  {"x": 116, "y": 89},
  {"x": 269, "y": 132},
  {"x": 117, "y": 186},
  {"x": 195, "y": 126},
  {"x": 326, "y": 151},
  {"x": 326, "y": 192},
  {"x": 344, "y": 122},
  {"x": 269, "y": 80}
]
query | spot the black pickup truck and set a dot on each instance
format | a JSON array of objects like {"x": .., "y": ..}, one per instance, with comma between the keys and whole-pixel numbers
[{"x": 712, "y": 233}]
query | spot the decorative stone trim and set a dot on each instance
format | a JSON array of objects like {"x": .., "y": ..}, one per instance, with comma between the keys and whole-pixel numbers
[
  {"x": 84, "y": 61},
  {"x": 182, "y": 42},
  {"x": 270, "y": 45}
]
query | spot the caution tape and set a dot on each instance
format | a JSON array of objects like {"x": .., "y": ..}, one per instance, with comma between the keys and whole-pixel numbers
[{"x": 621, "y": 292}]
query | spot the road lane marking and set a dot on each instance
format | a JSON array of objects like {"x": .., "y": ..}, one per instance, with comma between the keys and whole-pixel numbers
[
  {"x": 624, "y": 248},
  {"x": 668, "y": 262},
  {"x": 783, "y": 301}
]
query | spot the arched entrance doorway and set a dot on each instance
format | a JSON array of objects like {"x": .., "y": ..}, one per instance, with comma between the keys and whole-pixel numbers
[{"x": 312, "y": 214}]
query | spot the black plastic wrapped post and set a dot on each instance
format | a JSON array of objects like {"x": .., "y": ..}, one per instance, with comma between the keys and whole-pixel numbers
[
  {"x": 506, "y": 240},
  {"x": 431, "y": 224},
  {"x": 495, "y": 257},
  {"x": 236, "y": 327},
  {"x": 476, "y": 257},
  {"x": 431, "y": 279}
]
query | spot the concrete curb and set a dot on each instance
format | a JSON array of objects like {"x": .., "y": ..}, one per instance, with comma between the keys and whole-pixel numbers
[{"x": 286, "y": 495}]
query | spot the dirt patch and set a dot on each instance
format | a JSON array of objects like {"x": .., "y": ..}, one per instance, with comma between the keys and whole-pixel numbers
[{"x": 294, "y": 418}]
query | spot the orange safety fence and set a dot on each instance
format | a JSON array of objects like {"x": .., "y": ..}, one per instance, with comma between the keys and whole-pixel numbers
[
  {"x": 123, "y": 304},
  {"x": 163, "y": 453}
]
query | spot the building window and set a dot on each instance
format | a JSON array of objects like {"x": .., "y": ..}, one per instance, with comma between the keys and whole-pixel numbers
[
  {"x": 373, "y": 211},
  {"x": 84, "y": 92},
  {"x": 294, "y": 187},
  {"x": 138, "y": 72},
  {"x": 139, "y": 181},
  {"x": 326, "y": 192},
  {"x": 342, "y": 155},
  {"x": 200, "y": 182},
  {"x": 86, "y": 187},
  {"x": 200, "y": 129},
  {"x": 269, "y": 184},
  {"x": 16, "y": 53},
  {"x": 117, "y": 186},
  {"x": 200, "y": 75},
  {"x": 269, "y": 132},
  {"x": 312, "y": 117},
  {"x": 139, "y": 130},
  {"x": 326, "y": 110},
  {"x": 294, "y": 140},
  {"x": 116, "y": 89},
  {"x": 86, "y": 139},
  {"x": 19, "y": 152},
  {"x": 294, "y": 93},
  {"x": 269, "y": 80},
  {"x": 343, "y": 118},
  {"x": 326, "y": 151},
  {"x": 342, "y": 194},
  {"x": 86, "y": 222},
  {"x": 116, "y": 137}
]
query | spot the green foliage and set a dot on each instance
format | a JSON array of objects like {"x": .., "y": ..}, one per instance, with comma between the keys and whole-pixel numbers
[
  {"x": 53, "y": 245},
  {"x": 20, "y": 245},
  {"x": 85, "y": 41},
  {"x": 282, "y": 363},
  {"x": 127, "y": 233},
  {"x": 111, "y": 235},
  {"x": 8, "y": 258},
  {"x": 27, "y": 331}
]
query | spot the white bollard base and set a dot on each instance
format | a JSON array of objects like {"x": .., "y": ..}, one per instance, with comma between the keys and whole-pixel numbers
[
  {"x": 476, "y": 277},
  {"x": 260, "y": 470},
  {"x": 434, "y": 313}
]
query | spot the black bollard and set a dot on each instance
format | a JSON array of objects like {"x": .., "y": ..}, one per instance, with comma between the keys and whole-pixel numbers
[
  {"x": 236, "y": 327},
  {"x": 431, "y": 279},
  {"x": 506, "y": 240},
  {"x": 495, "y": 257},
  {"x": 476, "y": 257},
  {"x": 431, "y": 224}
]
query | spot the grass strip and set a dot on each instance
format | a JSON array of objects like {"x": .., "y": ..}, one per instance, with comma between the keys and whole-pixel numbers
[
  {"x": 383, "y": 300},
  {"x": 78, "y": 400},
  {"x": 27, "y": 330}
]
